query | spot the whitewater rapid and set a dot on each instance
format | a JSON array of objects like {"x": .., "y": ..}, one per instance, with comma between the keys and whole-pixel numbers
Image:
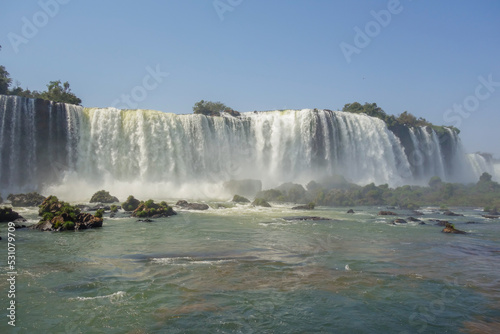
[{"x": 60, "y": 148}]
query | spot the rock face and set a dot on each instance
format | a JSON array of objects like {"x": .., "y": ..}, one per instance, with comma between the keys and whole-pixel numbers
[
  {"x": 151, "y": 209},
  {"x": 309, "y": 206},
  {"x": 60, "y": 216},
  {"x": 449, "y": 228},
  {"x": 191, "y": 206},
  {"x": 8, "y": 215},
  {"x": 103, "y": 196},
  {"x": 31, "y": 199},
  {"x": 261, "y": 202},
  {"x": 240, "y": 199},
  {"x": 387, "y": 213}
]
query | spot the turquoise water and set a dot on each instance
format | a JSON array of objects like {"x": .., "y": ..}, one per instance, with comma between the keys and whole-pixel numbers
[{"x": 246, "y": 270}]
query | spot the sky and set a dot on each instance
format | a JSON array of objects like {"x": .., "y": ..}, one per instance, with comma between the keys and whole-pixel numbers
[{"x": 436, "y": 59}]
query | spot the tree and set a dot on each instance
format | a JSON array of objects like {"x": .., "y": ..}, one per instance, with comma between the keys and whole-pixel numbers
[
  {"x": 57, "y": 93},
  {"x": 209, "y": 108},
  {"x": 435, "y": 182},
  {"x": 485, "y": 177},
  {"x": 5, "y": 80}
]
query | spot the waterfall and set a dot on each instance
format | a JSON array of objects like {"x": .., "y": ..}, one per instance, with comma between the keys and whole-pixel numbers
[{"x": 65, "y": 149}]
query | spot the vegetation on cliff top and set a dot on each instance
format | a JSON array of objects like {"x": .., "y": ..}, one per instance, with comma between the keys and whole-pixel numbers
[
  {"x": 405, "y": 119},
  {"x": 56, "y": 90}
]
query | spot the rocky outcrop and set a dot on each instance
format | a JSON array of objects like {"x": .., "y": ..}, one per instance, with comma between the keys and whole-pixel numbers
[
  {"x": 103, "y": 196},
  {"x": 60, "y": 216},
  {"x": 191, "y": 206},
  {"x": 30, "y": 199},
  {"x": 450, "y": 228},
  {"x": 240, "y": 199},
  {"x": 130, "y": 204},
  {"x": 151, "y": 209},
  {"x": 309, "y": 206},
  {"x": 8, "y": 215},
  {"x": 261, "y": 202}
]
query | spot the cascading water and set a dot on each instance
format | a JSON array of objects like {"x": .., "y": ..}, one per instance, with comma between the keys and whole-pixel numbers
[{"x": 57, "y": 148}]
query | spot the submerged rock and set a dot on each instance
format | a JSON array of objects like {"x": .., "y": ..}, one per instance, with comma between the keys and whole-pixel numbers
[
  {"x": 387, "y": 213},
  {"x": 350, "y": 211},
  {"x": 399, "y": 221},
  {"x": 413, "y": 219},
  {"x": 490, "y": 216},
  {"x": 450, "y": 228},
  {"x": 449, "y": 213},
  {"x": 305, "y": 218},
  {"x": 9, "y": 215},
  {"x": 440, "y": 222},
  {"x": 192, "y": 206},
  {"x": 30, "y": 199}
]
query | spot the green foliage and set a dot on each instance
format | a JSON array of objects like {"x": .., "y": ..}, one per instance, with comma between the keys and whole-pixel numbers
[
  {"x": 485, "y": 177},
  {"x": 103, "y": 196},
  {"x": 435, "y": 182},
  {"x": 113, "y": 208},
  {"x": 56, "y": 91},
  {"x": 5, "y": 81},
  {"x": 130, "y": 204},
  {"x": 68, "y": 225},
  {"x": 99, "y": 213},
  {"x": 150, "y": 209},
  {"x": 404, "y": 119},
  {"x": 209, "y": 108}
]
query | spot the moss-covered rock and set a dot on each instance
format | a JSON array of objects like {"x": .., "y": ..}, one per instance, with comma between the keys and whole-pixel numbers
[
  {"x": 61, "y": 216},
  {"x": 309, "y": 206},
  {"x": 8, "y": 215},
  {"x": 30, "y": 199},
  {"x": 450, "y": 228},
  {"x": 103, "y": 196},
  {"x": 130, "y": 204},
  {"x": 192, "y": 206},
  {"x": 261, "y": 202},
  {"x": 151, "y": 209},
  {"x": 240, "y": 199}
]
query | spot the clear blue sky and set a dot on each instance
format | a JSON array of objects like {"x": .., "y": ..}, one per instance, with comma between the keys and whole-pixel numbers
[{"x": 268, "y": 54}]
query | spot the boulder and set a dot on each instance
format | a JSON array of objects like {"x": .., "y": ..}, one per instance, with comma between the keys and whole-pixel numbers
[
  {"x": 387, "y": 213},
  {"x": 103, "y": 196},
  {"x": 30, "y": 199},
  {"x": 192, "y": 206},
  {"x": 87, "y": 220},
  {"x": 399, "y": 221},
  {"x": 151, "y": 209},
  {"x": 440, "y": 222},
  {"x": 449, "y": 228},
  {"x": 413, "y": 219},
  {"x": 130, "y": 204},
  {"x": 240, "y": 199},
  {"x": 350, "y": 211},
  {"x": 261, "y": 202},
  {"x": 9, "y": 215}
]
